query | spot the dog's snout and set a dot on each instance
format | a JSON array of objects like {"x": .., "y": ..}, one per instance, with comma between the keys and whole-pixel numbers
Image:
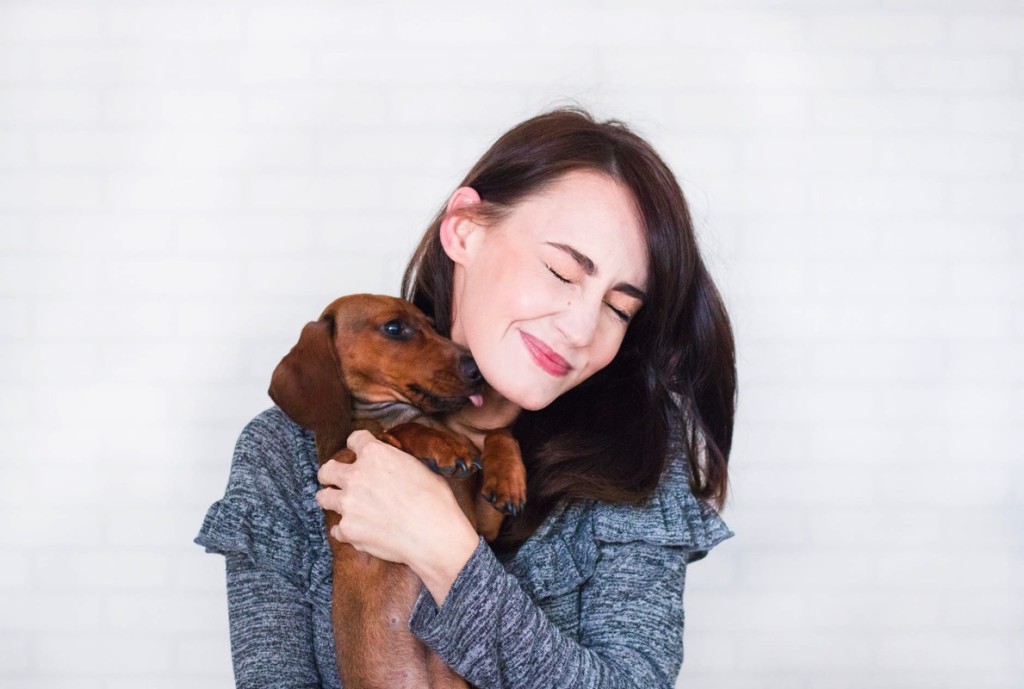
[{"x": 470, "y": 373}]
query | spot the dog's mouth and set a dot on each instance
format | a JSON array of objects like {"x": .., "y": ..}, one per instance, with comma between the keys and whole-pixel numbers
[{"x": 433, "y": 403}]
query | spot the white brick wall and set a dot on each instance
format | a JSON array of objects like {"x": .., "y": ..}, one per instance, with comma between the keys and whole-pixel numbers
[{"x": 183, "y": 185}]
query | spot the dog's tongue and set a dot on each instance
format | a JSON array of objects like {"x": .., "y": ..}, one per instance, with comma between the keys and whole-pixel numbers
[{"x": 477, "y": 400}]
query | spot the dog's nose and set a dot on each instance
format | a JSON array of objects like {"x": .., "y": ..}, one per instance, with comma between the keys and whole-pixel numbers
[{"x": 470, "y": 373}]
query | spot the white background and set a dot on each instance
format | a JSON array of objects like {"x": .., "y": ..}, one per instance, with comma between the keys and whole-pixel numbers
[{"x": 184, "y": 185}]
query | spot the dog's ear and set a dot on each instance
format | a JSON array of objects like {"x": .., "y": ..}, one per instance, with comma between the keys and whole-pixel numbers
[{"x": 307, "y": 384}]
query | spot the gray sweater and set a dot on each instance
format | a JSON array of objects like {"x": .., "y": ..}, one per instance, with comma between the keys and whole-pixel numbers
[{"x": 594, "y": 598}]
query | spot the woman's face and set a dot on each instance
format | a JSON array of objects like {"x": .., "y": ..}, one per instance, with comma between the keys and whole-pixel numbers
[{"x": 543, "y": 298}]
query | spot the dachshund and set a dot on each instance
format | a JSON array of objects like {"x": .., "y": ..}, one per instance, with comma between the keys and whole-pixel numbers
[{"x": 376, "y": 363}]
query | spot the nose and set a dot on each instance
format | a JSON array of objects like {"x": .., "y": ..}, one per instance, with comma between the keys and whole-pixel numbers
[
  {"x": 469, "y": 371},
  {"x": 578, "y": 322}
]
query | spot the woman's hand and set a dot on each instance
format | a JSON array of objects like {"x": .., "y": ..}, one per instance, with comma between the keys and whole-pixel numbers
[{"x": 394, "y": 508}]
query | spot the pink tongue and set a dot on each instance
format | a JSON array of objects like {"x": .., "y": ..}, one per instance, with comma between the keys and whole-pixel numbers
[{"x": 477, "y": 400}]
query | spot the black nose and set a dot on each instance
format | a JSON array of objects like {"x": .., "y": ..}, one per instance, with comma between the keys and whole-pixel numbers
[{"x": 470, "y": 373}]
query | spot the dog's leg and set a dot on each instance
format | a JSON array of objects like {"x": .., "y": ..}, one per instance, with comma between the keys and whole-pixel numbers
[
  {"x": 503, "y": 489},
  {"x": 447, "y": 453}
]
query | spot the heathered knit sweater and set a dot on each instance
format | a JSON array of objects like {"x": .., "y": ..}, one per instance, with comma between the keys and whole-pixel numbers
[{"x": 594, "y": 598}]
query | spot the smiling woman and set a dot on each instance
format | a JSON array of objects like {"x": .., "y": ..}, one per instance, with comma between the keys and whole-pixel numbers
[
  {"x": 566, "y": 262},
  {"x": 538, "y": 296}
]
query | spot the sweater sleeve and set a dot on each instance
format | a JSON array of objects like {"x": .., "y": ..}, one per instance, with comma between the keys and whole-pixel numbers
[
  {"x": 491, "y": 632},
  {"x": 264, "y": 539},
  {"x": 630, "y": 564}
]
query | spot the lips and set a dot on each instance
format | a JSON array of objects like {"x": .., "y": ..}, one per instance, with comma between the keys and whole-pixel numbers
[{"x": 545, "y": 357}]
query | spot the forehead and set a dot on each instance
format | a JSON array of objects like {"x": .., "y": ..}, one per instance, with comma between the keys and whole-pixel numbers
[{"x": 593, "y": 214}]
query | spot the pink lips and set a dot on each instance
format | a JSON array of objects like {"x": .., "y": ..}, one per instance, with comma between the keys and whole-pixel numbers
[{"x": 545, "y": 357}]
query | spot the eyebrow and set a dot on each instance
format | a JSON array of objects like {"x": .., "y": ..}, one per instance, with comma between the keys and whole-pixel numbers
[{"x": 590, "y": 269}]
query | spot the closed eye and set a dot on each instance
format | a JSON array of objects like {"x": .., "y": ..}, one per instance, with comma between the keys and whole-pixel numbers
[
  {"x": 619, "y": 312},
  {"x": 558, "y": 275}
]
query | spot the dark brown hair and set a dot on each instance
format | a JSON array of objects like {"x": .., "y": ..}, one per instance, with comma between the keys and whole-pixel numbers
[{"x": 607, "y": 438}]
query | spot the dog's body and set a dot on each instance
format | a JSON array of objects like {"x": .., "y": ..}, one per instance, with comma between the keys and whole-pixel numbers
[{"x": 375, "y": 363}]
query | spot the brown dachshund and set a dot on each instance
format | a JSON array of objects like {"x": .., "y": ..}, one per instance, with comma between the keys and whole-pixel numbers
[{"x": 376, "y": 363}]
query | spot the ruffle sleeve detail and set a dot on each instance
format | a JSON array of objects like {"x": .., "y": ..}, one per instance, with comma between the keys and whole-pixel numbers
[
  {"x": 673, "y": 516},
  {"x": 257, "y": 517}
]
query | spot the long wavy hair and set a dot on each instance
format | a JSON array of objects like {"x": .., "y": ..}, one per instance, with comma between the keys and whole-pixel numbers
[{"x": 607, "y": 439}]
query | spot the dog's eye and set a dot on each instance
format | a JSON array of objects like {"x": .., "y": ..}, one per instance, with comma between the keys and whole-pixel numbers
[{"x": 396, "y": 330}]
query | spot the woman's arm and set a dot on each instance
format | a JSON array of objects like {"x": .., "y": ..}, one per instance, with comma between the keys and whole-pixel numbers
[
  {"x": 267, "y": 527},
  {"x": 494, "y": 635},
  {"x": 271, "y": 629}
]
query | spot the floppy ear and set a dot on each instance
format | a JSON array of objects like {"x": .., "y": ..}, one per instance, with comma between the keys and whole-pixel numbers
[{"x": 307, "y": 384}]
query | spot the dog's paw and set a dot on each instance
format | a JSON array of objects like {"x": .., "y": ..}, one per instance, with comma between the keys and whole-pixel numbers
[
  {"x": 508, "y": 495},
  {"x": 454, "y": 457}
]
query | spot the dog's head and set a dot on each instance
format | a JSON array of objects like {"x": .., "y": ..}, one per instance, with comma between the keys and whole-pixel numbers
[{"x": 371, "y": 349}]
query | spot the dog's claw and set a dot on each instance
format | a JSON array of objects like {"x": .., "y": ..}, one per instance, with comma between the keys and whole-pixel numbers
[{"x": 478, "y": 465}]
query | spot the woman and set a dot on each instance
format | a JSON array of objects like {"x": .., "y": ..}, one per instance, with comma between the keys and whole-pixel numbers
[{"x": 566, "y": 261}]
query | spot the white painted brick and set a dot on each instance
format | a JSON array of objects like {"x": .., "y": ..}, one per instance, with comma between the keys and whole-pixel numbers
[
  {"x": 876, "y": 194},
  {"x": 143, "y": 64},
  {"x": 102, "y": 654},
  {"x": 205, "y": 107},
  {"x": 266, "y": 65},
  {"x": 878, "y": 30},
  {"x": 963, "y": 238},
  {"x": 168, "y": 191},
  {"x": 52, "y": 612},
  {"x": 38, "y": 106},
  {"x": 947, "y": 156},
  {"x": 332, "y": 24},
  {"x": 36, "y": 22},
  {"x": 861, "y": 530},
  {"x": 808, "y": 485},
  {"x": 980, "y": 612},
  {"x": 811, "y": 236},
  {"x": 14, "y": 575},
  {"x": 314, "y": 192},
  {"x": 68, "y": 318},
  {"x": 90, "y": 234},
  {"x": 205, "y": 654},
  {"x": 272, "y": 233},
  {"x": 877, "y": 114},
  {"x": 749, "y": 112},
  {"x": 772, "y": 527},
  {"x": 374, "y": 65},
  {"x": 877, "y": 445},
  {"x": 967, "y": 73},
  {"x": 164, "y": 613},
  {"x": 171, "y": 276},
  {"x": 996, "y": 31},
  {"x": 938, "y": 649},
  {"x": 192, "y": 23},
  {"x": 798, "y": 653},
  {"x": 769, "y": 442},
  {"x": 985, "y": 362},
  {"x": 43, "y": 528},
  {"x": 809, "y": 153},
  {"x": 15, "y": 654},
  {"x": 16, "y": 233},
  {"x": 40, "y": 191},
  {"x": 870, "y": 363},
  {"x": 296, "y": 107},
  {"x": 104, "y": 570},
  {"x": 168, "y": 529},
  {"x": 15, "y": 150},
  {"x": 1002, "y": 279},
  {"x": 988, "y": 115}
]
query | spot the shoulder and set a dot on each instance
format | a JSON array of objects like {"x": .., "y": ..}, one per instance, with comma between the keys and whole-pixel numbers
[
  {"x": 673, "y": 516},
  {"x": 273, "y": 456},
  {"x": 268, "y": 510}
]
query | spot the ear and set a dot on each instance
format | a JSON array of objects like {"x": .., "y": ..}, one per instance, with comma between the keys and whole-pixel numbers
[
  {"x": 456, "y": 228},
  {"x": 307, "y": 384}
]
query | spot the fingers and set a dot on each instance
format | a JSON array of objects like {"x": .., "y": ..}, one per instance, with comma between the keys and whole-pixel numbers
[{"x": 357, "y": 440}]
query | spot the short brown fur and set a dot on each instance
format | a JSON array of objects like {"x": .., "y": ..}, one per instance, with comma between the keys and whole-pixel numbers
[{"x": 345, "y": 374}]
